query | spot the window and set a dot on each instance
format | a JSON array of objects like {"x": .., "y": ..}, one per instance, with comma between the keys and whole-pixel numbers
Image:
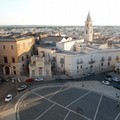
[
  {"x": 77, "y": 67},
  {"x": 13, "y": 67},
  {"x": 61, "y": 65},
  {"x": 62, "y": 60},
  {"x": 87, "y": 24},
  {"x": 86, "y": 31},
  {"x": 22, "y": 58},
  {"x": 108, "y": 63},
  {"x": 101, "y": 69},
  {"x": 33, "y": 72},
  {"x": 5, "y": 60},
  {"x": 13, "y": 60},
  {"x": 11, "y": 47},
  {"x": 3, "y": 46},
  {"x": 81, "y": 66},
  {"x": 27, "y": 56},
  {"x": 101, "y": 64},
  {"x": 14, "y": 72}
]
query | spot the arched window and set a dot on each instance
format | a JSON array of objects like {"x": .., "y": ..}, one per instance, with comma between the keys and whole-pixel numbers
[{"x": 33, "y": 72}]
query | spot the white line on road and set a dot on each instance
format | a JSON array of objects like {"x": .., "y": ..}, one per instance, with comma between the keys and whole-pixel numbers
[
  {"x": 58, "y": 91},
  {"x": 98, "y": 107},
  {"x": 117, "y": 116},
  {"x": 67, "y": 115},
  {"x": 78, "y": 99},
  {"x": 65, "y": 107},
  {"x": 44, "y": 112}
]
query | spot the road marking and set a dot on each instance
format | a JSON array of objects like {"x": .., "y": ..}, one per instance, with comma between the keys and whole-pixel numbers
[
  {"x": 78, "y": 98},
  {"x": 67, "y": 115},
  {"x": 41, "y": 97},
  {"x": 117, "y": 116},
  {"x": 44, "y": 112},
  {"x": 98, "y": 107},
  {"x": 58, "y": 90},
  {"x": 65, "y": 107}
]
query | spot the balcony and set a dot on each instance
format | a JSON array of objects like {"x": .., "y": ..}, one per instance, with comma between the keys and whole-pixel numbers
[
  {"x": 80, "y": 62},
  {"x": 91, "y": 61},
  {"x": 102, "y": 59},
  {"x": 62, "y": 61},
  {"x": 109, "y": 59},
  {"x": 117, "y": 58}
]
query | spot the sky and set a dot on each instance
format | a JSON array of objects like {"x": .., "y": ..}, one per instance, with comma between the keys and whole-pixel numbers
[{"x": 59, "y": 12}]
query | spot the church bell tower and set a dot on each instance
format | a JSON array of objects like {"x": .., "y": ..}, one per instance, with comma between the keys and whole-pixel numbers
[{"x": 88, "y": 32}]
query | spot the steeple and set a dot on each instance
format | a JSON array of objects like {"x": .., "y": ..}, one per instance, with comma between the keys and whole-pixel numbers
[
  {"x": 89, "y": 17},
  {"x": 88, "y": 32}
]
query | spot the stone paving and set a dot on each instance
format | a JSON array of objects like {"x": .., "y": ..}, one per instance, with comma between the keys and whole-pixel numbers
[
  {"x": 93, "y": 101},
  {"x": 69, "y": 104}
]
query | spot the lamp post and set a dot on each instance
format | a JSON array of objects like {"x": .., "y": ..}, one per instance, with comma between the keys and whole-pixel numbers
[
  {"x": 82, "y": 79},
  {"x": 117, "y": 97}
]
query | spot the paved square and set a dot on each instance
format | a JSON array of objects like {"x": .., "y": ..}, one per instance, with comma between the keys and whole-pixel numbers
[
  {"x": 67, "y": 104},
  {"x": 108, "y": 109},
  {"x": 73, "y": 116},
  {"x": 66, "y": 97},
  {"x": 46, "y": 91},
  {"x": 55, "y": 113},
  {"x": 33, "y": 110}
]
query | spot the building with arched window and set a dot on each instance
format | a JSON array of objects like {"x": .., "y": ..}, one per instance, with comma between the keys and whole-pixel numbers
[{"x": 15, "y": 54}]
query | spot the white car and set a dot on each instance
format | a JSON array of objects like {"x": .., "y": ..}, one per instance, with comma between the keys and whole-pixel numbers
[
  {"x": 39, "y": 79},
  {"x": 106, "y": 82},
  {"x": 8, "y": 97}
]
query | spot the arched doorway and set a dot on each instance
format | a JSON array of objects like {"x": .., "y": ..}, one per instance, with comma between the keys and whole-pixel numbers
[
  {"x": 91, "y": 69},
  {"x": 7, "y": 70}
]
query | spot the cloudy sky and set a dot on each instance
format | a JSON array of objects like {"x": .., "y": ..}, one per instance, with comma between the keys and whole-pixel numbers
[{"x": 59, "y": 12}]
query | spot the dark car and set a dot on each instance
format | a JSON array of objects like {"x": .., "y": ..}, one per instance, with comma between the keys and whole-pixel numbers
[
  {"x": 108, "y": 77},
  {"x": 117, "y": 86},
  {"x": 29, "y": 80}
]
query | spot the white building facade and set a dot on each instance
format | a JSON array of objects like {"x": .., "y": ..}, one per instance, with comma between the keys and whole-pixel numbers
[{"x": 39, "y": 67}]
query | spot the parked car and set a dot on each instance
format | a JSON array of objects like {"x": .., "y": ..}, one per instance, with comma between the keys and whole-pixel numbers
[
  {"x": 8, "y": 97},
  {"x": 12, "y": 79},
  {"x": 117, "y": 86},
  {"x": 115, "y": 79},
  {"x": 91, "y": 74},
  {"x": 21, "y": 88},
  {"x": 106, "y": 82},
  {"x": 30, "y": 80},
  {"x": 39, "y": 79},
  {"x": 108, "y": 79}
]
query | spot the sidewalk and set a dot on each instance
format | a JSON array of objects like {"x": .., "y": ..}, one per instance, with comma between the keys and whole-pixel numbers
[{"x": 8, "y": 115}]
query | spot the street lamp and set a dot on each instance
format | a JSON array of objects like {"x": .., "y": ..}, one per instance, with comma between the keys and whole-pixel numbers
[
  {"x": 82, "y": 79},
  {"x": 117, "y": 97}
]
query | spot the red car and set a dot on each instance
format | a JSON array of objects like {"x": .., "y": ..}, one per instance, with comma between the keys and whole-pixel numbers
[{"x": 29, "y": 80}]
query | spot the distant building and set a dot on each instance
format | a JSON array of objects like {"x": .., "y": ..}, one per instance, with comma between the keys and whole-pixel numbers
[
  {"x": 15, "y": 54},
  {"x": 88, "y": 31}
]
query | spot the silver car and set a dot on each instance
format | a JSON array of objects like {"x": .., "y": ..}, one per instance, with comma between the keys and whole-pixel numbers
[{"x": 8, "y": 97}]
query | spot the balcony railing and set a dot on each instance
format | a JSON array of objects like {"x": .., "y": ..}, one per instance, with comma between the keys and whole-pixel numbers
[
  {"x": 102, "y": 59},
  {"x": 80, "y": 62},
  {"x": 91, "y": 61},
  {"x": 109, "y": 59}
]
